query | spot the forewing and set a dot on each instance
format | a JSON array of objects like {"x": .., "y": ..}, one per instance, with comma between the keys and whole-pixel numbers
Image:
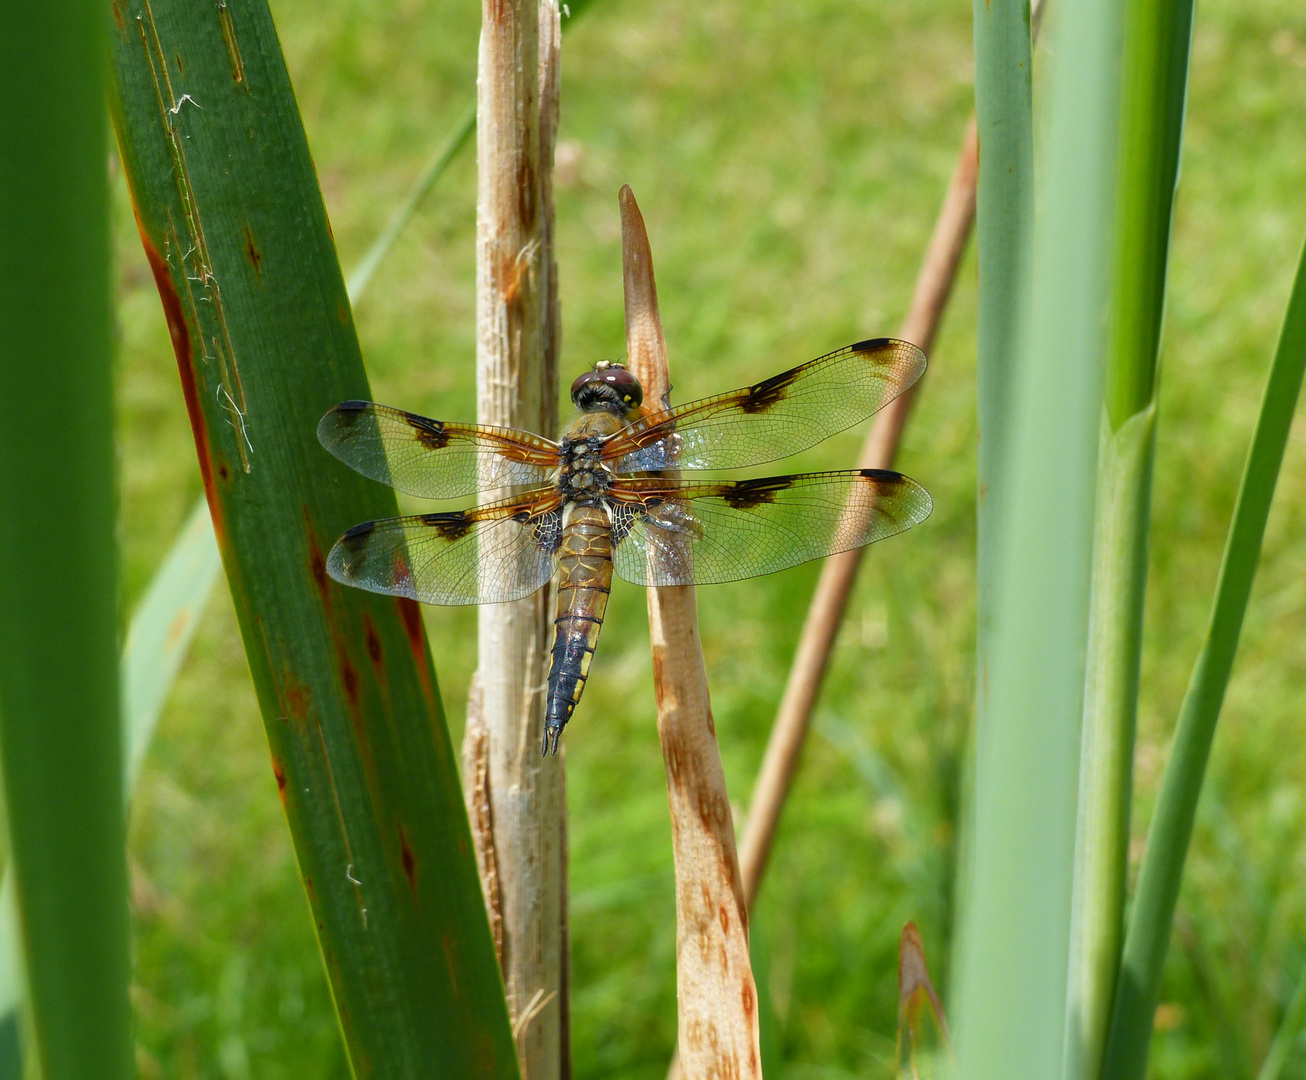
[
  {"x": 775, "y": 418},
  {"x": 487, "y": 555},
  {"x": 705, "y": 532},
  {"x": 432, "y": 459}
]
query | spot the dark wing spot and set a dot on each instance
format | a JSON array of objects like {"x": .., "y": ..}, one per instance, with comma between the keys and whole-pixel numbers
[
  {"x": 452, "y": 525},
  {"x": 357, "y": 533},
  {"x": 871, "y": 344},
  {"x": 763, "y": 395},
  {"x": 747, "y": 494},
  {"x": 430, "y": 433},
  {"x": 352, "y": 406},
  {"x": 884, "y": 476}
]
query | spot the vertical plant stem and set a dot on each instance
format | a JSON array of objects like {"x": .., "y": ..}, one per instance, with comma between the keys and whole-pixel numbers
[
  {"x": 1003, "y": 225},
  {"x": 1154, "y": 78},
  {"x": 1152, "y": 915},
  {"x": 517, "y": 387},
  {"x": 716, "y": 994},
  {"x": 1011, "y": 1005},
  {"x": 839, "y": 572},
  {"x": 60, "y": 737}
]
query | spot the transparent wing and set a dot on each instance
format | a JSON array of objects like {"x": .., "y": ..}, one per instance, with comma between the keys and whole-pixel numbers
[
  {"x": 775, "y": 418},
  {"x": 673, "y": 532},
  {"x": 488, "y": 555},
  {"x": 432, "y": 459}
]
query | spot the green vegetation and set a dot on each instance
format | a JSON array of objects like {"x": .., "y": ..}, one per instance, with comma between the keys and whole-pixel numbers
[
  {"x": 59, "y": 738},
  {"x": 789, "y": 159},
  {"x": 236, "y": 235}
]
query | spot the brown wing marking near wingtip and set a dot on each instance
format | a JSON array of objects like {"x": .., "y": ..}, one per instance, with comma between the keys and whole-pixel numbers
[
  {"x": 487, "y": 555},
  {"x": 430, "y": 458},
  {"x": 680, "y": 532},
  {"x": 771, "y": 419}
]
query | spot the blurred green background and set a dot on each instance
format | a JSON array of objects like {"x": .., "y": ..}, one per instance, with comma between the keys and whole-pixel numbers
[{"x": 789, "y": 158}]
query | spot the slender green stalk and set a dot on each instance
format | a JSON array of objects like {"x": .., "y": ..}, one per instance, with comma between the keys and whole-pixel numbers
[
  {"x": 1172, "y": 823},
  {"x": 1154, "y": 79},
  {"x": 236, "y": 233},
  {"x": 1004, "y": 216},
  {"x": 1294, "y": 1019},
  {"x": 1011, "y": 1003},
  {"x": 59, "y": 733}
]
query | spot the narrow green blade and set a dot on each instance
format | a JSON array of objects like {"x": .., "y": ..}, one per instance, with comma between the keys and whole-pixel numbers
[
  {"x": 1155, "y": 78},
  {"x": 1176, "y": 807},
  {"x": 59, "y": 729},
  {"x": 236, "y": 232},
  {"x": 1016, "y": 909}
]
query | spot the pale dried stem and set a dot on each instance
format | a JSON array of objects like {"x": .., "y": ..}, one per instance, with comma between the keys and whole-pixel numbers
[
  {"x": 933, "y": 286},
  {"x": 717, "y": 999},
  {"x": 517, "y": 346}
]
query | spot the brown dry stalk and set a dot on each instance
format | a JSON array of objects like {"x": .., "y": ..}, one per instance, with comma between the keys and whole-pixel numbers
[
  {"x": 517, "y": 344},
  {"x": 717, "y": 999},
  {"x": 933, "y": 286}
]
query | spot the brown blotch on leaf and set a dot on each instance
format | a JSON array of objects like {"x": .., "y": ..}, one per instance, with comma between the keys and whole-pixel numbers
[
  {"x": 224, "y": 473},
  {"x": 408, "y": 859},
  {"x": 373, "y": 641},
  {"x": 179, "y": 333},
  {"x": 723, "y": 914},
  {"x": 280, "y": 773},
  {"x": 349, "y": 679},
  {"x": 746, "y": 996},
  {"x": 252, "y": 254}
]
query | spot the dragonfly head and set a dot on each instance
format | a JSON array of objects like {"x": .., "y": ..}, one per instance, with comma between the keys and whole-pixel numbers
[{"x": 608, "y": 388}]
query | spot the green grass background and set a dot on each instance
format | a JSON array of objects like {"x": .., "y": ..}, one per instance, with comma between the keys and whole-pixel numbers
[{"x": 789, "y": 158}]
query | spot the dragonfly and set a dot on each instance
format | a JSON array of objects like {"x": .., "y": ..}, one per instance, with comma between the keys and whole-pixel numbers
[{"x": 610, "y": 496}]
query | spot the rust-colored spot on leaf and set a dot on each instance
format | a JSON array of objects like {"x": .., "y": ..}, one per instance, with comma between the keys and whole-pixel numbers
[
  {"x": 179, "y": 332},
  {"x": 349, "y": 680},
  {"x": 252, "y": 254},
  {"x": 746, "y": 996},
  {"x": 373, "y": 642},
  {"x": 342, "y": 313},
  {"x": 119, "y": 20},
  {"x": 408, "y": 859},
  {"x": 224, "y": 473},
  {"x": 296, "y": 697},
  {"x": 278, "y": 770},
  {"x": 317, "y": 563},
  {"x": 410, "y": 614},
  {"x": 448, "y": 960},
  {"x": 308, "y": 887},
  {"x": 723, "y": 914}
]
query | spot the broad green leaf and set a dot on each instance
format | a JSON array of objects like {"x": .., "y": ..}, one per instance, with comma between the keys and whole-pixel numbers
[
  {"x": 59, "y": 727},
  {"x": 236, "y": 233},
  {"x": 1010, "y": 1011}
]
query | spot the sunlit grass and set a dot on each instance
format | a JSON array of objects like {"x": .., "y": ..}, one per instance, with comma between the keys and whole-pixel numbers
[{"x": 789, "y": 160}]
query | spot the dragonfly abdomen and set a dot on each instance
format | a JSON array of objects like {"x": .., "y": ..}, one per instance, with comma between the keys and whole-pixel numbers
[{"x": 584, "y": 581}]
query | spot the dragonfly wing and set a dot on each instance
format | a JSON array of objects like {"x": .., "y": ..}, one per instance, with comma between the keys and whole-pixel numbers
[
  {"x": 674, "y": 532},
  {"x": 487, "y": 555},
  {"x": 774, "y": 418},
  {"x": 432, "y": 459}
]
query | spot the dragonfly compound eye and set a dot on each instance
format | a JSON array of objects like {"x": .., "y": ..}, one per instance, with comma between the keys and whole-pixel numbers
[{"x": 608, "y": 386}]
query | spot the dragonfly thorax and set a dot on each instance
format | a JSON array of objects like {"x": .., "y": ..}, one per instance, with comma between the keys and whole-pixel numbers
[{"x": 583, "y": 475}]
